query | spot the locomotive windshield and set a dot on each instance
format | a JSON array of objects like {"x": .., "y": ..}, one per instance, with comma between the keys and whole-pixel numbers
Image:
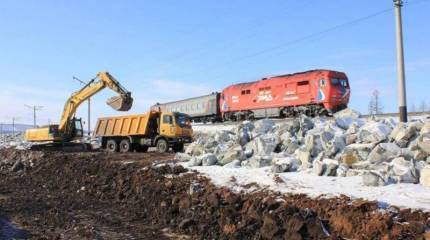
[
  {"x": 338, "y": 81},
  {"x": 183, "y": 120}
]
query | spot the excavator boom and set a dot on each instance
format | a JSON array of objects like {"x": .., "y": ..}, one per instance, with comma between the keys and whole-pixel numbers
[{"x": 123, "y": 102}]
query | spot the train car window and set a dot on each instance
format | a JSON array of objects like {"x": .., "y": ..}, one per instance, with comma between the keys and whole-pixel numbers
[
  {"x": 167, "y": 119},
  {"x": 322, "y": 82},
  {"x": 248, "y": 91},
  {"x": 267, "y": 88},
  {"x": 261, "y": 89},
  {"x": 303, "y": 83},
  {"x": 243, "y": 92}
]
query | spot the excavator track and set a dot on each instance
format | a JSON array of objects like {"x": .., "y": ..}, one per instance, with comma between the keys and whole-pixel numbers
[{"x": 64, "y": 147}]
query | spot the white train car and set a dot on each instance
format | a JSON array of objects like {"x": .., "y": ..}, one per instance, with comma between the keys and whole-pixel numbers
[{"x": 200, "y": 109}]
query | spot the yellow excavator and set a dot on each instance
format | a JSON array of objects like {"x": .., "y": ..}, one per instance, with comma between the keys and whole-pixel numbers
[{"x": 67, "y": 134}]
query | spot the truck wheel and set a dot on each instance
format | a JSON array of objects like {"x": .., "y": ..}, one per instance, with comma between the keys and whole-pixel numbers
[
  {"x": 125, "y": 146},
  {"x": 162, "y": 146},
  {"x": 179, "y": 147},
  {"x": 112, "y": 146}
]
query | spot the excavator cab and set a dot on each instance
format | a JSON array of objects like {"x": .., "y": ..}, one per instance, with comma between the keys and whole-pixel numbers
[{"x": 78, "y": 129}]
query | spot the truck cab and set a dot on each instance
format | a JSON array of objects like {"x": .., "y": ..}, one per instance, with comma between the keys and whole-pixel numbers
[{"x": 176, "y": 128}]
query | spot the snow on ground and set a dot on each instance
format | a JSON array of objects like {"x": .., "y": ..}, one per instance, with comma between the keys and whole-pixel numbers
[
  {"x": 212, "y": 128},
  {"x": 402, "y": 195}
]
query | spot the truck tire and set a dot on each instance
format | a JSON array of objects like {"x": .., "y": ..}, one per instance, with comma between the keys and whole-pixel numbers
[
  {"x": 178, "y": 147},
  {"x": 112, "y": 146},
  {"x": 162, "y": 145},
  {"x": 125, "y": 146}
]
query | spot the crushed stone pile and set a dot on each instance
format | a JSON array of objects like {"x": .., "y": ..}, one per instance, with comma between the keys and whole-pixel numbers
[
  {"x": 382, "y": 151},
  {"x": 14, "y": 141}
]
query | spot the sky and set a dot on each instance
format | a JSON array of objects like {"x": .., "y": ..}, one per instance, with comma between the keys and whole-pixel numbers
[{"x": 169, "y": 50}]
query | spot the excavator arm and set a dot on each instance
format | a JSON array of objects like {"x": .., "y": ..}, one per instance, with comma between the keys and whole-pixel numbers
[{"x": 123, "y": 102}]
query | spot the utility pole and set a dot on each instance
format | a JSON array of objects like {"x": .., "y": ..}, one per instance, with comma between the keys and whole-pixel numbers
[
  {"x": 400, "y": 62},
  {"x": 35, "y": 109},
  {"x": 13, "y": 126},
  {"x": 89, "y": 106}
]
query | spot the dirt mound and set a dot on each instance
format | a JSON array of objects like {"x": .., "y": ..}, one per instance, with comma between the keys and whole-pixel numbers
[{"x": 140, "y": 196}]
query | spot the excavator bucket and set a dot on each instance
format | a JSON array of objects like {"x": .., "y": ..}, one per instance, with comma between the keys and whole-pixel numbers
[{"x": 120, "y": 103}]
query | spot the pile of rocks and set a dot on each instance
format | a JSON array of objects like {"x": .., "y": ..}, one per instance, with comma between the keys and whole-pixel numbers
[
  {"x": 14, "y": 141},
  {"x": 382, "y": 151}
]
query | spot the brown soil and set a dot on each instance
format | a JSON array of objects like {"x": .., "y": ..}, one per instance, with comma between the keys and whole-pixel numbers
[{"x": 145, "y": 196}]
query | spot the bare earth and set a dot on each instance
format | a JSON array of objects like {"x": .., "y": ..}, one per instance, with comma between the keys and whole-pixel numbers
[{"x": 132, "y": 196}]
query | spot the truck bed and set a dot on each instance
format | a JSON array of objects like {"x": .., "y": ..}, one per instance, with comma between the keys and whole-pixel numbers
[{"x": 122, "y": 125}]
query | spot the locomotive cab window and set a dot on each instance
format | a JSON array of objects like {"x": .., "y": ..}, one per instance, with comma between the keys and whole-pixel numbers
[
  {"x": 322, "y": 82},
  {"x": 335, "y": 81},
  {"x": 344, "y": 82}
]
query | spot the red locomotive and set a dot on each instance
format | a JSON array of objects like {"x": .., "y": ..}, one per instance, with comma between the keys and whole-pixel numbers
[
  {"x": 313, "y": 93},
  {"x": 316, "y": 92}
]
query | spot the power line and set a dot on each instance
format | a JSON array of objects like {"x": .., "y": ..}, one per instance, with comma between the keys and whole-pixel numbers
[{"x": 307, "y": 37}]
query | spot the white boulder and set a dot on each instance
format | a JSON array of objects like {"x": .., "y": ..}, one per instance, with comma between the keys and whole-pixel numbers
[
  {"x": 373, "y": 132},
  {"x": 285, "y": 164},
  {"x": 383, "y": 152},
  {"x": 373, "y": 178},
  {"x": 425, "y": 176},
  {"x": 208, "y": 159}
]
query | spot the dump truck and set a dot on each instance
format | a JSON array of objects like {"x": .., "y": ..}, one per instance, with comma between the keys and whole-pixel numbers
[
  {"x": 68, "y": 133},
  {"x": 163, "y": 130}
]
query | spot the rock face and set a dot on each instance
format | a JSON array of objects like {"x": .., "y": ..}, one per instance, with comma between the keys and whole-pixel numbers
[{"x": 382, "y": 151}]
